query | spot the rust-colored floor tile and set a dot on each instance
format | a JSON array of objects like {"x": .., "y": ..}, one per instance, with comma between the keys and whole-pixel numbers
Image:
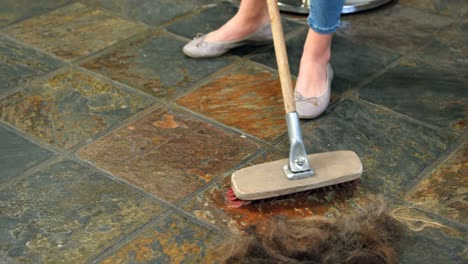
[
  {"x": 211, "y": 206},
  {"x": 169, "y": 154},
  {"x": 173, "y": 240},
  {"x": 446, "y": 190},
  {"x": 69, "y": 108},
  {"x": 74, "y": 31},
  {"x": 248, "y": 98}
]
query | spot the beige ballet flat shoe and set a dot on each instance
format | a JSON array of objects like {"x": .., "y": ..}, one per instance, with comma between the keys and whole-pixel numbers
[
  {"x": 199, "y": 48},
  {"x": 312, "y": 107}
]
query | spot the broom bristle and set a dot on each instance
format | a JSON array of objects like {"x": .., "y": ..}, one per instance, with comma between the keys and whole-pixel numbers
[{"x": 234, "y": 202}]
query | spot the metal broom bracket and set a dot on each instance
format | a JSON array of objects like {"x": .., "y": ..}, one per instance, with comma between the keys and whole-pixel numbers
[{"x": 299, "y": 166}]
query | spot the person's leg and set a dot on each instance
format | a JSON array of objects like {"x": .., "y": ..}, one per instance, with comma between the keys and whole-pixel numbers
[
  {"x": 252, "y": 14},
  {"x": 324, "y": 19}
]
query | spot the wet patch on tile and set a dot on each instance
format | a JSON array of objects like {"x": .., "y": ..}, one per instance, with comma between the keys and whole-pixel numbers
[
  {"x": 19, "y": 64},
  {"x": 248, "y": 98},
  {"x": 14, "y": 10},
  {"x": 426, "y": 92},
  {"x": 155, "y": 65},
  {"x": 448, "y": 48},
  {"x": 451, "y": 7},
  {"x": 169, "y": 154},
  {"x": 392, "y": 150},
  {"x": 445, "y": 191},
  {"x": 173, "y": 240},
  {"x": 68, "y": 212},
  {"x": 149, "y": 11},
  {"x": 18, "y": 154},
  {"x": 73, "y": 31},
  {"x": 213, "y": 18},
  {"x": 428, "y": 240},
  {"x": 395, "y": 27},
  {"x": 69, "y": 108},
  {"x": 352, "y": 62},
  {"x": 211, "y": 206}
]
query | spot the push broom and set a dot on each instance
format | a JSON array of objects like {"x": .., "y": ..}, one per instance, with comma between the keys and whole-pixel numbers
[{"x": 300, "y": 172}]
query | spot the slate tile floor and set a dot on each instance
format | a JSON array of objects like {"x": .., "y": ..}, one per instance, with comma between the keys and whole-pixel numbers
[{"x": 116, "y": 148}]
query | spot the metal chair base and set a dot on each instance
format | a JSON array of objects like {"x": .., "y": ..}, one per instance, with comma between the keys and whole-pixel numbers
[{"x": 350, "y": 6}]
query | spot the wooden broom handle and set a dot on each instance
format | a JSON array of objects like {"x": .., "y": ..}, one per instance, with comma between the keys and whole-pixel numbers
[{"x": 281, "y": 56}]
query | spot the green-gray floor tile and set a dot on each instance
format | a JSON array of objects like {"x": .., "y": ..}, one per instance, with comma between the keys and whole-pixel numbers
[
  {"x": 14, "y": 10},
  {"x": 392, "y": 150},
  {"x": 352, "y": 62},
  {"x": 69, "y": 108},
  {"x": 74, "y": 31},
  {"x": 448, "y": 48},
  {"x": 18, "y": 154},
  {"x": 447, "y": 7},
  {"x": 155, "y": 65},
  {"x": 395, "y": 27},
  {"x": 436, "y": 95},
  {"x": 211, "y": 19},
  {"x": 68, "y": 213},
  {"x": 149, "y": 11},
  {"x": 428, "y": 239},
  {"x": 19, "y": 64},
  {"x": 175, "y": 239}
]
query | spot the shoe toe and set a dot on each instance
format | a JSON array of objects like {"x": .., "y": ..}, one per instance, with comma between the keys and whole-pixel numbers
[
  {"x": 198, "y": 48},
  {"x": 192, "y": 49},
  {"x": 311, "y": 107}
]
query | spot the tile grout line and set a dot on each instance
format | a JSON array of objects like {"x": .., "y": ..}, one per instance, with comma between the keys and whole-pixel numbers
[
  {"x": 444, "y": 219},
  {"x": 118, "y": 85},
  {"x": 31, "y": 171},
  {"x": 436, "y": 163},
  {"x": 31, "y": 139},
  {"x": 125, "y": 40},
  {"x": 401, "y": 202},
  {"x": 121, "y": 241},
  {"x": 124, "y": 43},
  {"x": 35, "y": 81},
  {"x": 29, "y": 46},
  {"x": 37, "y": 15},
  {"x": 227, "y": 128},
  {"x": 411, "y": 119},
  {"x": 115, "y": 127},
  {"x": 160, "y": 201},
  {"x": 168, "y": 210}
]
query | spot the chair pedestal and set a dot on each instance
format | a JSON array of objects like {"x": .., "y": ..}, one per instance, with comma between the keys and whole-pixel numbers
[{"x": 350, "y": 6}]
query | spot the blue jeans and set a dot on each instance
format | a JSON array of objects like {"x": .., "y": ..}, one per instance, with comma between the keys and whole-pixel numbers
[{"x": 324, "y": 15}]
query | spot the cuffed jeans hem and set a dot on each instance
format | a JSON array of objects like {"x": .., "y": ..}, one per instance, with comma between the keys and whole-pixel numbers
[{"x": 322, "y": 30}]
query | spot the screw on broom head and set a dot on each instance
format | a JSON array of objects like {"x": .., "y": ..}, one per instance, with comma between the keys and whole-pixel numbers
[{"x": 234, "y": 202}]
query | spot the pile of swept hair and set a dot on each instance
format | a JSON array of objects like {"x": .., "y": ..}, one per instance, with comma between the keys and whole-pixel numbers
[{"x": 362, "y": 237}]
